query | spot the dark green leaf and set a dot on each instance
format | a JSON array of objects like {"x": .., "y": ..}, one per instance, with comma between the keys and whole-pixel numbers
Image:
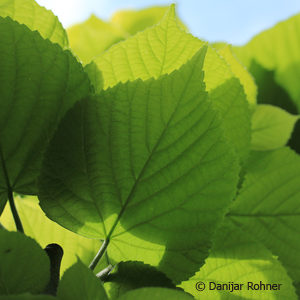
[{"x": 24, "y": 266}]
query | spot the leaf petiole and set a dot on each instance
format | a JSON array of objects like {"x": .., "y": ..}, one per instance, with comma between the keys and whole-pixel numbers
[
  {"x": 14, "y": 212},
  {"x": 99, "y": 255}
]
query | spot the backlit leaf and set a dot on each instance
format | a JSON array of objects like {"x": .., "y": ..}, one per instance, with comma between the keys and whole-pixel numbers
[
  {"x": 35, "y": 17},
  {"x": 271, "y": 127},
  {"x": 268, "y": 205},
  {"x": 39, "y": 83},
  {"x": 24, "y": 266},
  {"x": 237, "y": 259},
  {"x": 152, "y": 164}
]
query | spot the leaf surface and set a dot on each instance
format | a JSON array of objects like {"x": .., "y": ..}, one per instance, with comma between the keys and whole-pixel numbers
[
  {"x": 79, "y": 283},
  {"x": 132, "y": 275},
  {"x": 271, "y": 127},
  {"x": 236, "y": 258},
  {"x": 164, "y": 48},
  {"x": 277, "y": 49},
  {"x": 149, "y": 160},
  {"x": 35, "y": 17},
  {"x": 240, "y": 71},
  {"x": 24, "y": 266},
  {"x": 153, "y": 293},
  {"x": 268, "y": 205},
  {"x": 92, "y": 37},
  {"x": 39, "y": 83}
]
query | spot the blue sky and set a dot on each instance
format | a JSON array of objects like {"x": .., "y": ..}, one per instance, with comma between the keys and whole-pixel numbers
[{"x": 234, "y": 21}]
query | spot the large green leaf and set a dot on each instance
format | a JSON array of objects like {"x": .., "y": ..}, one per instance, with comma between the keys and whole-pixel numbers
[
  {"x": 278, "y": 50},
  {"x": 236, "y": 258},
  {"x": 48, "y": 232},
  {"x": 24, "y": 266},
  {"x": 153, "y": 293},
  {"x": 35, "y": 17},
  {"x": 166, "y": 47},
  {"x": 79, "y": 283},
  {"x": 271, "y": 127},
  {"x": 268, "y": 205},
  {"x": 144, "y": 159},
  {"x": 39, "y": 83}
]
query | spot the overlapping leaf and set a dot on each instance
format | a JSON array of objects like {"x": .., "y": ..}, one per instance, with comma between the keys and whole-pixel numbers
[
  {"x": 271, "y": 127},
  {"x": 236, "y": 258},
  {"x": 24, "y": 266},
  {"x": 35, "y": 17},
  {"x": 146, "y": 159},
  {"x": 268, "y": 205},
  {"x": 275, "y": 50},
  {"x": 240, "y": 71},
  {"x": 39, "y": 83},
  {"x": 164, "y": 48},
  {"x": 92, "y": 37}
]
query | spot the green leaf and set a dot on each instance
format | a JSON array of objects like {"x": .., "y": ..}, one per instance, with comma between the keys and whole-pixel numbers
[
  {"x": 35, "y": 17},
  {"x": 92, "y": 37},
  {"x": 236, "y": 258},
  {"x": 277, "y": 49},
  {"x": 24, "y": 266},
  {"x": 152, "y": 164},
  {"x": 240, "y": 71},
  {"x": 95, "y": 76},
  {"x": 39, "y": 83},
  {"x": 166, "y": 47},
  {"x": 268, "y": 205},
  {"x": 133, "y": 21},
  {"x": 48, "y": 232},
  {"x": 132, "y": 275},
  {"x": 155, "y": 293},
  {"x": 271, "y": 127},
  {"x": 79, "y": 283}
]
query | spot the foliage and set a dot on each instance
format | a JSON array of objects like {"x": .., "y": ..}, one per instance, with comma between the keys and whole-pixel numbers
[{"x": 158, "y": 160}]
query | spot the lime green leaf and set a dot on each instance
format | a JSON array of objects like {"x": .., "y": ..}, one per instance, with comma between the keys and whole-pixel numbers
[
  {"x": 95, "y": 76},
  {"x": 271, "y": 127},
  {"x": 39, "y": 83},
  {"x": 236, "y": 258},
  {"x": 241, "y": 72},
  {"x": 24, "y": 266},
  {"x": 79, "y": 283},
  {"x": 133, "y": 21},
  {"x": 92, "y": 37},
  {"x": 155, "y": 293},
  {"x": 48, "y": 232},
  {"x": 35, "y": 17},
  {"x": 166, "y": 47},
  {"x": 132, "y": 275},
  {"x": 153, "y": 164},
  {"x": 268, "y": 205},
  {"x": 278, "y": 50}
]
